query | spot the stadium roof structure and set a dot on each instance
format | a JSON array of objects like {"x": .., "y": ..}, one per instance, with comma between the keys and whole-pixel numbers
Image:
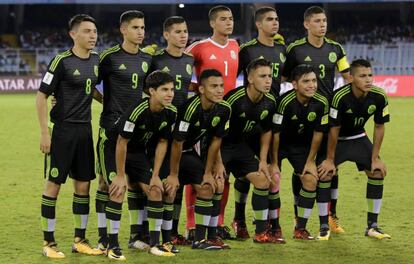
[{"x": 185, "y": 1}]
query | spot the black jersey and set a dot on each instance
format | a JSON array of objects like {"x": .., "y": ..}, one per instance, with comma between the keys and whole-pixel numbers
[
  {"x": 247, "y": 115},
  {"x": 140, "y": 125},
  {"x": 123, "y": 76},
  {"x": 323, "y": 60},
  {"x": 297, "y": 122},
  {"x": 71, "y": 80},
  {"x": 352, "y": 113},
  {"x": 276, "y": 55},
  {"x": 180, "y": 68},
  {"x": 193, "y": 122}
]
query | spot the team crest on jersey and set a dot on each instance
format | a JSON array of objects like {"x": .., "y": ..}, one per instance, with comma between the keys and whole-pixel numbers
[
  {"x": 54, "y": 172},
  {"x": 311, "y": 116},
  {"x": 371, "y": 109},
  {"x": 282, "y": 57},
  {"x": 189, "y": 69},
  {"x": 95, "y": 70},
  {"x": 264, "y": 114},
  {"x": 144, "y": 66},
  {"x": 332, "y": 57},
  {"x": 233, "y": 55},
  {"x": 215, "y": 121},
  {"x": 163, "y": 124},
  {"x": 112, "y": 175}
]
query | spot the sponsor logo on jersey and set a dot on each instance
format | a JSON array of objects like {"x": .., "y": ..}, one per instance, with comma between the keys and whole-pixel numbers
[
  {"x": 213, "y": 57},
  {"x": 122, "y": 67},
  {"x": 308, "y": 58},
  {"x": 76, "y": 72}
]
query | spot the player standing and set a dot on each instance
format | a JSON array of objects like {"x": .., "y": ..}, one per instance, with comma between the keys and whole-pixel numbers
[
  {"x": 71, "y": 78},
  {"x": 324, "y": 55}
]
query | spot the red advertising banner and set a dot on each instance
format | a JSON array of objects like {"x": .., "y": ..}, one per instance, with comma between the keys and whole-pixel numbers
[{"x": 394, "y": 85}]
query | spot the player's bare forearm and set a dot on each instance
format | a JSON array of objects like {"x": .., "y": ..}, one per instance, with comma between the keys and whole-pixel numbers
[
  {"x": 346, "y": 75},
  {"x": 332, "y": 142},
  {"x": 41, "y": 106},
  {"x": 97, "y": 96},
  {"x": 265, "y": 140},
  {"x": 316, "y": 143},
  {"x": 379, "y": 131},
  {"x": 160, "y": 152},
  {"x": 275, "y": 148},
  {"x": 176, "y": 151},
  {"x": 212, "y": 153},
  {"x": 120, "y": 155}
]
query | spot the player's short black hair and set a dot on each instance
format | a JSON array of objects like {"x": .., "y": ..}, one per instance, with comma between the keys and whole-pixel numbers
[
  {"x": 129, "y": 15},
  {"x": 258, "y": 14},
  {"x": 299, "y": 71},
  {"x": 207, "y": 73},
  {"x": 359, "y": 63},
  {"x": 76, "y": 20},
  {"x": 313, "y": 10},
  {"x": 212, "y": 14},
  {"x": 169, "y": 22},
  {"x": 156, "y": 79},
  {"x": 256, "y": 63}
]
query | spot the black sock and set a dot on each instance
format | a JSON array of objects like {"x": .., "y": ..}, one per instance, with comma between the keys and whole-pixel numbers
[
  {"x": 260, "y": 204},
  {"x": 113, "y": 214},
  {"x": 48, "y": 212},
  {"x": 155, "y": 213},
  {"x": 80, "y": 208}
]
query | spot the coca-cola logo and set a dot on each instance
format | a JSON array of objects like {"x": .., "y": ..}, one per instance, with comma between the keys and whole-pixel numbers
[{"x": 390, "y": 85}]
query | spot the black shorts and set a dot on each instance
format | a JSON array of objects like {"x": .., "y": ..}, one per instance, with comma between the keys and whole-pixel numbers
[
  {"x": 356, "y": 150},
  {"x": 71, "y": 153},
  {"x": 138, "y": 167},
  {"x": 191, "y": 168},
  {"x": 105, "y": 150},
  {"x": 239, "y": 159},
  {"x": 297, "y": 156}
]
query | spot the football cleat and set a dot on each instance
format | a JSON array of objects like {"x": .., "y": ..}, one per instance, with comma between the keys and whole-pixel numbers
[
  {"x": 138, "y": 244},
  {"x": 171, "y": 247},
  {"x": 116, "y": 254},
  {"x": 82, "y": 246},
  {"x": 50, "y": 250},
  {"x": 240, "y": 230},
  {"x": 302, "y": 234},
  {"x": 375, "y": 232},
  {"x": 204, "y": 244},
  {"x": 334, "y": 225},
  {"x": 161, "y": 251},
  {"x": 324, "y": 234}
]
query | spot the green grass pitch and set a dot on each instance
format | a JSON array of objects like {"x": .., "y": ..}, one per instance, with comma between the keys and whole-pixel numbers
[{"x": 22, "y": 182}]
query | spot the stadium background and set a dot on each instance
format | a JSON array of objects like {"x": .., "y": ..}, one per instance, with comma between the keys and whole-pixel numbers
[{"x": 32, "y": 32}]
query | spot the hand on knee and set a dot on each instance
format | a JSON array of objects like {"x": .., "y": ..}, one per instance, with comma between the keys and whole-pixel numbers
[
  {"x": 309, "y": 182},
  {"x": 155, "y": 193},
  {"x": 205, "y": 191}
]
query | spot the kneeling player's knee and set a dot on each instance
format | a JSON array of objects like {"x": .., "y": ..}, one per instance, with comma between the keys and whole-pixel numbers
[
  {"x": 309, "y": 182},
  {"x": 155, "y": 193},
  {"x": 205, "y": 191},
  {"x": 260, "y": 181}
]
